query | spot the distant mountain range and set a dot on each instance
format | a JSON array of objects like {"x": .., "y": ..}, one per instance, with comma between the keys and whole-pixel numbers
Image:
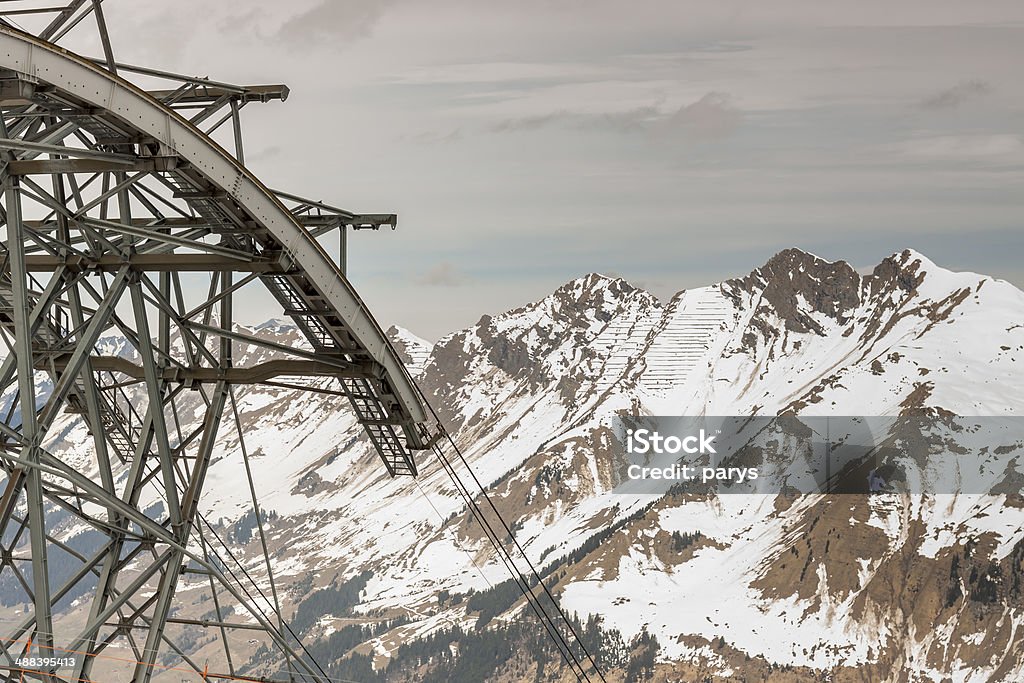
[{"x": 893, "y": 587}]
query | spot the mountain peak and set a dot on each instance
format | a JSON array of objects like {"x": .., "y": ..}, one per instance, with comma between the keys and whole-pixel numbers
[
  {"x": 905, "y": 269},
  {"x": 275, "y": 325},
  {"x": 794, "y": 255},
  {"x": 793, "y": 281},
  {"x": 413, "y": 350},
  {"x": 910, "y": 255},
  {"x": 588, "y": 285},
  {"x": 549, "y": 338},
  {"x": 592, "y": 296}
]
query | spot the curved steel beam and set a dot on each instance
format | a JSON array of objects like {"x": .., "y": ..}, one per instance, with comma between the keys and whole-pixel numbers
[{"x": 46, "y": 63}]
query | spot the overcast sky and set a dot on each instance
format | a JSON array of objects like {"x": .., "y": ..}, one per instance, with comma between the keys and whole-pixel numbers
[{"x": 673, "y": 143}]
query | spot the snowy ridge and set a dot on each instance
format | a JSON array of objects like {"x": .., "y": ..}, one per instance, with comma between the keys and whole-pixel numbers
[
  {"x": 414, "y": 351},
  {"x": 820, "y": 584}
]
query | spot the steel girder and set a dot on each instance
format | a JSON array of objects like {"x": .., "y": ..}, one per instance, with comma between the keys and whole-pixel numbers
[
  {"x": 231, "y": 197},
  {"x": 111, "y": 197}
]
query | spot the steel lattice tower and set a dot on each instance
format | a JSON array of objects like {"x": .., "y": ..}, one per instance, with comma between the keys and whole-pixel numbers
[{"x": 114, "y": 195}]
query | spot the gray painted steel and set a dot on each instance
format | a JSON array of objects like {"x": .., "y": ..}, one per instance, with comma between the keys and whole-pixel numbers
[
  {"x": 113, "y": 256},
  {"x": 40, "y": 60}
]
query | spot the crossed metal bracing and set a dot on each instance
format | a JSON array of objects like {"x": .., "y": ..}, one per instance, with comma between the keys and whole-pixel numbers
[{"x": 131, "y": 236}]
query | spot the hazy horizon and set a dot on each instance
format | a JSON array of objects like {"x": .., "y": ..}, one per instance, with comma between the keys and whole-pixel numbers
[{"x": 862, "y": 269}]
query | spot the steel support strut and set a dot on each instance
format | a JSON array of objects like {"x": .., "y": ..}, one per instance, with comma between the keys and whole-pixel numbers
[
  {"x": 23, "y": 347},
  {"x": 115, "y": 205}
]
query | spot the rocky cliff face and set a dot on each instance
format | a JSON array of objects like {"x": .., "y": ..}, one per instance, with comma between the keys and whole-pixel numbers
[{"x": 894, "y": 587}]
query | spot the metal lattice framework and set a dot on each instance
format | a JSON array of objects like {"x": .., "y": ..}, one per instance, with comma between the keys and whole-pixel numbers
[{"x": 116, "y": 202}]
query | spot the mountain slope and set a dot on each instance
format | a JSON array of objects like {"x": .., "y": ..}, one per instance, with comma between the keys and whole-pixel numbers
[{"x": 892, "y": 587}]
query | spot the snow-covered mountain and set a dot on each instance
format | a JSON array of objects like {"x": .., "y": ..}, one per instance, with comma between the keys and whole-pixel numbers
[{"x": 754, "y": 587}]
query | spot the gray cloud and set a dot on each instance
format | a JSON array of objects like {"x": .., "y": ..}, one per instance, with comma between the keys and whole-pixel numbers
[
  {"x": 711, "y": 117},
  {"x": 264, "y": 153},
  {"x": 433, "y": 137},
  {"x": 444, "y": 274},
  {"x": 631, "y": 120},
  {"x": 957, "y": 95},
  {"x": 332, "y": 22},
  {"x": 243, "y": 21},
  {"x": 628, "y": 121},
  {"x": 527, "y": 123}
]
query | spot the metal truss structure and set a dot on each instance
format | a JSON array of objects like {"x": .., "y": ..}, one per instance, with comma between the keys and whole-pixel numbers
[{"x": 116, "y": 201}]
